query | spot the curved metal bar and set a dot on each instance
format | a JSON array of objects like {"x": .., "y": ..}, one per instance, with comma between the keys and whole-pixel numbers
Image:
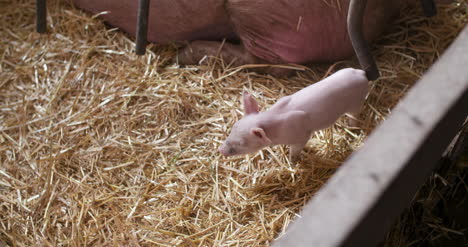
[
  {"x": 41, "y": 16},
  {"x": 142, "y": 27},
  {"x": 362, "y": 49},
  {"x": 429, "y": 7}
]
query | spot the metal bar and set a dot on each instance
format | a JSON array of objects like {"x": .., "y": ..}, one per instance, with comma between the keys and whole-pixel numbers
[
  {"x": 41, "y": 16},
  {"x": 362, "y": 49},
  {"x": 360, "y": 202},
  {"x": 142, "y": 27},
  {"x": 429, "y": 7}
]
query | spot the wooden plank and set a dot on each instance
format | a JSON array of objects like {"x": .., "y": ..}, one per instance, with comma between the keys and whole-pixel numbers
[{"x": 360, "y": 202}]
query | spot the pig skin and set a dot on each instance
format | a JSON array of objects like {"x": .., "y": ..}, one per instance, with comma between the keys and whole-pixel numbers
[
  {"x": 293, "y": 118},
  {"x": 270, "y": 31}
]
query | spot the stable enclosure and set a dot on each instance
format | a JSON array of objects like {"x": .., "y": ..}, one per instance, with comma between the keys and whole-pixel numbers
[
  {"x": 101, "y": 147},
  {"x": 369, "y": 191}
]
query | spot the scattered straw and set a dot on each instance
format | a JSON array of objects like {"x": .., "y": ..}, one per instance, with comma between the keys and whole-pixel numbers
[{"x": 102, "y": 147}]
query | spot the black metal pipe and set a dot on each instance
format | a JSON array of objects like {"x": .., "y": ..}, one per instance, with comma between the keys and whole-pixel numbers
[
  {"x": 360, "y": 45},
  {"x": 41, "y": 16},
  {"x": 142, "y": 27},
  {"x": 429, "y": 7}
]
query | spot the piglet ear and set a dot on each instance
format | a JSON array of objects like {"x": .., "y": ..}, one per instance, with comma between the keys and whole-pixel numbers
[
  {"x": 250, "y": 105},
  {"x": 260, "y": 133}
]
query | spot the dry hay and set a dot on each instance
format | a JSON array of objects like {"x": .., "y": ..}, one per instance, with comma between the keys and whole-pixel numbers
[
  {"x": 437, "y": 215},
  {"x": 101, "y": 147}
]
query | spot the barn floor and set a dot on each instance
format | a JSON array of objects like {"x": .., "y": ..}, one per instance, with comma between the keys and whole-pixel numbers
[{"x": 100, "y": 147}]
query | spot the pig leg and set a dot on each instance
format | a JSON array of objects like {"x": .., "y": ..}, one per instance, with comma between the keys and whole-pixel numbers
[
  {"x": 230, "y": 53},
  {"x": 294, "y": 128},
  {"x": 353, "y": 118},
  {"x": 235, "y": 55},
  {"x": 296, "y": 149}
]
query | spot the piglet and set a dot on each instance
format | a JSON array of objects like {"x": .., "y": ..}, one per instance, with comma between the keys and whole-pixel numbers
[{"x": 293, "y": 118}]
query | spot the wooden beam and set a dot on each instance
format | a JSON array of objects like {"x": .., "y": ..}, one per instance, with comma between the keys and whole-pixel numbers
[{"x": 361, "y": 201}]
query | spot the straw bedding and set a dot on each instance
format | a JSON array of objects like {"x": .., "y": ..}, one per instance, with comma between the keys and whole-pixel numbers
[{"x": 100, "y": 147}]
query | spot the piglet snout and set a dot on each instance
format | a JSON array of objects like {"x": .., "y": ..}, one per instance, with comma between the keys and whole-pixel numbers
[
  {"x": 222, "y": 150},
  {"x": 226, "y": 150}
]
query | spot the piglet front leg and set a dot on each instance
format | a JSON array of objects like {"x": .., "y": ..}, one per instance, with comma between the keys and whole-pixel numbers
[
  {"x": 294, "y": 125},
  {"x": 295, "y": 149}
]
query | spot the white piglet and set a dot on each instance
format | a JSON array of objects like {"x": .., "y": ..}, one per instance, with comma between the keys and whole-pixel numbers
[{"x": 293, "y": 118}]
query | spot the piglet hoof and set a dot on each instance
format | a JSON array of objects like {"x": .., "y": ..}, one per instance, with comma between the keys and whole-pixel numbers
[
  {"x": 352, "y": 121},
  {"x": 293, "y": 159}
]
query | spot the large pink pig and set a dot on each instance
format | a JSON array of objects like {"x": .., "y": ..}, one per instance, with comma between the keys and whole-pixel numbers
[
  {"x": 269, "y": 31},
  {"x": 293, "y": 118}
]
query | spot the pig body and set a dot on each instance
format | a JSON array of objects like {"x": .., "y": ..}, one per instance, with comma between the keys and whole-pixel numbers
[
  {"x": 293, "y": 118},
  {"x": 270, "y": 31}
]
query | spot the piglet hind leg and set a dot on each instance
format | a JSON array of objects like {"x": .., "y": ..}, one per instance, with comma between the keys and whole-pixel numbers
[
  {"x": 353, "y": 116},
  {"x": 353, "y": 119}
]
